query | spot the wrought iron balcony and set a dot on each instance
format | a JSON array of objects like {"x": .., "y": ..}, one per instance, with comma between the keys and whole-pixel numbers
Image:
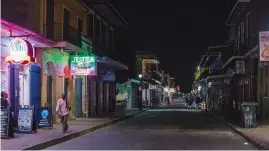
[{"x": 63, "y": 33}]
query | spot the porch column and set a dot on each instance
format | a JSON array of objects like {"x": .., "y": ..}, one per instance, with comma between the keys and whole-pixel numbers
[
  {"x": 89, "y": 95},
  {"x": 78, "y": 97},
  {"x": 97, "y": 96}
]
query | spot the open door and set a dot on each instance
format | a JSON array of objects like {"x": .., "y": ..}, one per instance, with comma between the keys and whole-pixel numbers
[
  {"x": 35, "y": 87},
  {"x": 14, "y": 89}
]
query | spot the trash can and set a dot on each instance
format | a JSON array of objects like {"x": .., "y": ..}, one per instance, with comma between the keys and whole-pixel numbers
[
  {"x": 248, "y": 110},
  {"x": 119, "y": 110}
]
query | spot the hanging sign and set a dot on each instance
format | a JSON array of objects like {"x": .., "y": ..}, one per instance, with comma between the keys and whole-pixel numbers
[
  {"x": 25, "y": 120},
  {"x": 240, "y": 67},
  {"x": 4, "y": 123},
  {"x": 20, "y": 52},
  {"x": 109, "y": 76},
  {"x": 264, "y": 45},
  {"x": 83, "y": 65},
  {"x": 45, "y": 117}
]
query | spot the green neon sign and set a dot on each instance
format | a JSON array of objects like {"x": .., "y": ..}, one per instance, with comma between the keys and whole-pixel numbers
[{"x": 83, "y": 65}]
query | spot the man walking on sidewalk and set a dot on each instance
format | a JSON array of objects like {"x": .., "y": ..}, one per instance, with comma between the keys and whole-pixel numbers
[{"x": 62, "y": 110}]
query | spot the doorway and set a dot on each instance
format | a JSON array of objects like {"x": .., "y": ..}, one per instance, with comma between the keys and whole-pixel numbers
[{"x": 23, "y": 86}]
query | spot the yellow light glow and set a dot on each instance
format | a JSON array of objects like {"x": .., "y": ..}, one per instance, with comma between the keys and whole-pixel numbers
[{"x": 17, "y": 59}]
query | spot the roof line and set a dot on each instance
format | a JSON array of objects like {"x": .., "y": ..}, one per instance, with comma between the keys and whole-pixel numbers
[
  {"x": 233, "y": 9},
  {"x": 118, "y": 13}
]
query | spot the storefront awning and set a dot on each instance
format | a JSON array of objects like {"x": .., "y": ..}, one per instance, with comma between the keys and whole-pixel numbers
[
  {"x": 10, "y": 30},
  {"x": 68, "y": 47},
  {"x": 112, "y": 63}
]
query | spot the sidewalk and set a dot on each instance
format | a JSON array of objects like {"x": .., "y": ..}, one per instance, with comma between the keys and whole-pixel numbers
[
  {"x": 45, "y": 137},
  {"x": 259, "y": 136}
]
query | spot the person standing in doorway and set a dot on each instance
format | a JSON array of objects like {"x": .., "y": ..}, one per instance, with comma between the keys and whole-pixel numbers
[
  {"x": 4, "y": 101},
  {"x": 62, "y": 109},
  {"x": 5, "y": 105}
]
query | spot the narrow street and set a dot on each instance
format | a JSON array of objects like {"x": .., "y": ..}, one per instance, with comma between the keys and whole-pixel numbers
[{"x": 164, "y": 128}]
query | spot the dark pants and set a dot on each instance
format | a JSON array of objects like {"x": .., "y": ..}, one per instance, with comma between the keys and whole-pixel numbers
[{"x": 64, "y": 123}]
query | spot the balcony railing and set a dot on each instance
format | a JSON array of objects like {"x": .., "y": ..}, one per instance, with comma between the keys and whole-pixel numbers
[{"x": 63, "y": 33}]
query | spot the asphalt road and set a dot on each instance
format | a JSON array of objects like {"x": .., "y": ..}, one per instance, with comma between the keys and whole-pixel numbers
[{"x": 164, "y": 128}]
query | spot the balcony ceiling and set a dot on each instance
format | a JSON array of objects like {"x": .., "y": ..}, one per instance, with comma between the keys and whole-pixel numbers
[
  {"x": 237, "y": 12},
  {"x": 107, "y": 10},
  {"x": 152, "y": 61}
]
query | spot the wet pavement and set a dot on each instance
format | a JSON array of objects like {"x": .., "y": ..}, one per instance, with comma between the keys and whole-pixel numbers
[{"x": 168, "y": 127}]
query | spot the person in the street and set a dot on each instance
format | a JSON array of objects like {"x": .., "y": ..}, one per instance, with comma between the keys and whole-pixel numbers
[
  {"x": 203, "y": 104},
  {"x": 197, "y": 102},
  {"x": 62, "y": 109},
  {"x": 189, "y": 102},
  {"x": 168, "y": 100}
]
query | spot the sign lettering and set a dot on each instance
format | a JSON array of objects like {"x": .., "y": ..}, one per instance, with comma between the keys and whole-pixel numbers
[
  {"x": 264, "y": 46},
  {"x": 20, "y": 52},
  {"x": 83, "y": 65}
]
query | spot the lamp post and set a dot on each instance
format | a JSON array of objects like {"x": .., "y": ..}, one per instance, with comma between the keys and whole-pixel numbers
[{"x": 140, "y": 91}]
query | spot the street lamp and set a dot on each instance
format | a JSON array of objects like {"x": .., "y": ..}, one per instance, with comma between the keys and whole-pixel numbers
[{"x": 140, "y": 76}]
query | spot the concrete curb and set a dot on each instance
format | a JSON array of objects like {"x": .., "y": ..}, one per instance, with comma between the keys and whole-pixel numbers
[
  {"x": 259, "y": 146},
  {"x": 68, "y": 137}
]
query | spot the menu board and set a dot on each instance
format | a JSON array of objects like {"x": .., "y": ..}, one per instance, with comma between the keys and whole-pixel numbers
[
  {"x": 45, "y": 117},
  {"x": 25, "y": 120},
  {"x": 4, "y": 123}
]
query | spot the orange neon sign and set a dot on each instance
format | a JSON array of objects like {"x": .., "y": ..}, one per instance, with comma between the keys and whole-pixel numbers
[{"x": 20, "y": 52}]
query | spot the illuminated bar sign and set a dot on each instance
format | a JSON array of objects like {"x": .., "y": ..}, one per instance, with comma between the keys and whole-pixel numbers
[
  {"x": 20, "y": 52},
  {"x": 83, "y": 65},
  {"x": 264, "y": 45}
]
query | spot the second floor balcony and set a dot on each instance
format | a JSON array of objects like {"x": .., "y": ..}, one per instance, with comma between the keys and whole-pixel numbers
[{"x": 61, "y": 32}]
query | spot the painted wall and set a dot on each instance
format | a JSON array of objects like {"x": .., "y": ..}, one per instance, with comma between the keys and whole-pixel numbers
[
  {"x": 77, "y": 10},
  {"x": 59, "y": 60}
]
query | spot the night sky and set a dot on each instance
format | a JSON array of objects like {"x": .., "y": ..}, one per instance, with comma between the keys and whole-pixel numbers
[{"x": 177, "y": 31}]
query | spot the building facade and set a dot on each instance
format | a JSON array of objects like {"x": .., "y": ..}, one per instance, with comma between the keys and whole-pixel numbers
[
  {"x": 246, "y": 20},
  {"x": 245, "y": 74},
  {"x": 147, "y": 66},
  {"x": 71, "y": 31}
]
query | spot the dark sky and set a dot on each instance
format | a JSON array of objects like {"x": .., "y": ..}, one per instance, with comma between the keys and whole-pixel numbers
[{"x": 178, "y": 31}]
